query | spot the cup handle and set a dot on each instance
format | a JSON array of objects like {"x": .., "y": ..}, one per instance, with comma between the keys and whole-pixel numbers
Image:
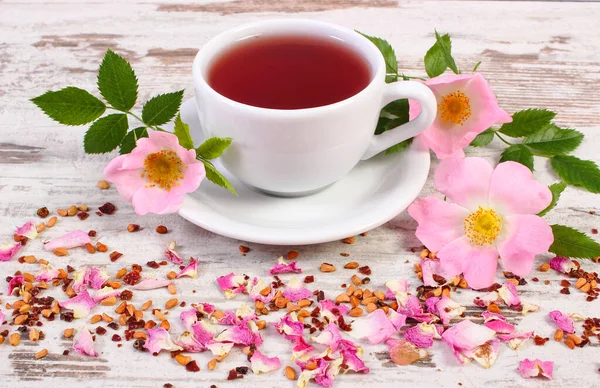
[{"x": 395, "y": 91}]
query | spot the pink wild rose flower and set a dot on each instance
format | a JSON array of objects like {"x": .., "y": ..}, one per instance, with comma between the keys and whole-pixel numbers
[
  {"x": 466, "y": 107},
  {"x": 157, "y": 174},
  {"x": 493, "y": 214}
]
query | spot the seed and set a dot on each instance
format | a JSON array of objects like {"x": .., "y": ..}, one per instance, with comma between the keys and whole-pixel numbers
[
  {"x": 138, "y": 314},
  {"x": 493, "y": 308},
  {"x": 158, "y": 314},
  {"x": 101, "y": 247},
  {"x": 171, "y": 303},
  {"x": 171, "y": 288},
  {"x": 354, "y": 301},
  {"x": 356, "y": 312},
  {"x": 20, "y": 319},
  {"x": 122, "y": 319},
  {"x": 424, "y": 253},
  {"x": 281, "y": 302},
  {"x": 165, "y": 325},
  {"x": 183, "y": 360},
  {"x": 356, "y": 280},
  {"x": 265, "y": 291},
  {"x": 14, "y": 339},
  {"x": 350, "y": 290},
  {"x": 558, "y": 335},
  {"x": 351, "y": 265},
  {"x": 110, "y": 301},
  {"x": 30, "y": 259},
  {"x": 25, "y": 308},
  {"x": 342, "y": 298},
  {"x": 146, "y": 305},
  {"x": 161, "y": 229},
  {"x": 133, "y": 228},
  {"x": 139, "y": 335},
  {"x": 371, "y": 307},
  {"x": 432, "y": 255},
  {"x": 379, "y": 295},
  {"x": 171, "y": 275},
  {"x": 83, "y": 207},
  {"x": 52, "y": 221},
  {"x": 544, "y": 267},
  {"x": 244, "y": 249},
  {"x": 261, "y": 324},
  {"x": 304, "y": 303},
  {"x": 349, "y": 240},
  {"x": 104, "y": 185},
  {"x": 367, "y": 301},
  {"x": 72, "y": 210},
  {"x": 291, "y": 255},
  {"x": 34, "y": 335},
  {"x": 27, "y": 297},
  {"x": 40, "y": 227},
  {"x": 326, "y": 267},
  {"x": 212, "y": 364},
  {"x": 95, "y": 318},
  {"x": 290, "y": 373},
  {"x": 114, "y": 284},
  {"x": 60, "y": 252},
  {"x": 1, "y": 339},
  {"x": 569, "y": 342},
  {"x": 120, "y": 273},
  {"x": 586, "y": 287},
  {"x": 62, "y": 212},
  {"x": 41, "y": 354},
  {"x": 576, "y": 339},
  {"x": 107, "y": 318}
]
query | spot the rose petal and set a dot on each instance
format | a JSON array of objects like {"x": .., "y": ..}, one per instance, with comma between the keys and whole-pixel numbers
[
  {"x": 245, "y": 312},
  {"x": 331, "y": 311},
  {"x": 375, "y": 327},
  {"x": 351, "y": 354},
  {"x": 465, "y": 181},
  {"x": 563, "y": 321},
  {"x": 487, "y": 299},
  {"x": 529, "y": 307},
  {"x": 470, "y": 341},
  {"x": 232, "y": 284},
  {"x": 295, "y": 290},
  {"x": 188, "y": 318},
  {"x": 421, "y": 335},
  {"x": 9, "y": 250},
  {"x": 562, "y": 264},
  {"x": 226, "y": 317},
  {"x": 219, "y": 349},
  {"x": 27, "y": 230},
  {"x": 289, "y": 327},
  {"x": 96, "y": 277},
  {"x": 429, "y": 268},
  {"x": 160, "y": 339},
  {"x": 508, "y": 293},
  {"x": 83, "y": 343},
  {"x": 77, "y": 238},
  {"x": 497, "y": 323},
  {"x": 81, "y": 304},
  {"x": 203, "y": 332},
  {"x": 397, "y": 289},
  {"x": 259, "y": 363},
  {"x": 238, "y": 334},
  {"x": 536, "y": 368},
  {"x": 256, "y": 287},
  {"x": 397, "y": 319},
  {"x": 413, "y": 309},
  {"x": 15, "y": 283},
  {"x": 283, "y": 267},
  {"x": 80, "y": 280},
  {"x": 447, "y": 309},
  {"x": 171, "y": 254},
  {"x": 47, "y": 273},
  {"x": 105, "y": 292},
  {"x": 190, "y": 270},
  {"x": 187, "y": 341},
  {"x": 404, "y": 352},
  {"x": 151, "y": 283},
  {"x": 516, "y": 340},
  {"x": 329, "y": 337}
]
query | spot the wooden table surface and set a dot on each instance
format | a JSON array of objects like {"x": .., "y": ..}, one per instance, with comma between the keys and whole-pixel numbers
[{"x": 534, "y": 54}]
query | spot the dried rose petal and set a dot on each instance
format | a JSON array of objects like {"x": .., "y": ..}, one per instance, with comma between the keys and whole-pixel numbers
[
  {"x": 516, "y": 340},
  {"x": 412, "y": 308},
  {"x": 295, "y": 290},
  {"x": 536, "y": 368},
  {"x": 422, "y": 335},
  {"x": 563, "y": 321},
  {"x": 229, "y": 318},
  {"x": 160, "y": 339},
  {"x": 404, "y": 353},
  {"x": 447, "y": 309},
  {"x": 324, "y": 374},
  {"x": 83, "y": 343},
  {"x": 2, "y": 316},
  {"x": 351, "y": 354},
  {"x": 203, "y": 332},
  {"x": 238, "y": 334},
  {"x": 47, "y": 273},
  {"x": 81, "y": 304},
  {"x": 105, "y": 292},
  {"x": 470, "y": 341},
  {"x": 232, "y": 284},
  {"x": 283, "y": 267},
  {"x": 96, "y": 277},
  {"x": 529, "y": 308},
  {"x": 487, "y": 299},
  {"x": 508, "y": 293},
  {"x": 206, "y": 308},
  {"x": 151, "y": 283},
  {"x": 375, "y": 327},
  {"x": 331, "y": 311},
  {"x": 329, "y": 337},
  {"x": 219, "y": 349},
  {"x": 27, "y": 230},
  {"x": 188, "y": 318},
  {"x": 171, "y": 254},
  {"x": 562, "y": 264},
  {"x": 187, "y": 341},
  {"x": 77, "y": 238},
  {"x": 497, "y": 323},
  {"x": 256, "y": 286},
  {"x": 397, "y": 319},
  {"x": 259, "y": 363},
  {"x": 190, "y": 270},
  {"x": 9, "y": 250},
  {"x": 430, "y": 267},
  {"x": 289, "y": 326},
  {"x": 15, "y": 282},
  {"x": 397, "y": 289},
  {"x": 80, "y": 279}
]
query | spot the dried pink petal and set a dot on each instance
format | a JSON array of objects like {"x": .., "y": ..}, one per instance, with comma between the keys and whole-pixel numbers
[
  {"x": 470, "y": 341},
  {"x": 83, "y": 343},
  {"x": 27, "y": 230},
  {"x": 171, "y": 254},
  {"x": 295, "y": 290},
  {"x": 229, "y": 318},
  {"x": 329, "y": 337},
  {"x": 203, "y": 332},
  {"x": 188, "y": 318},
  {"x": 239, "y": 334},
  {"x": 259, "y": 363},
  {"x": 331, "y": 311},
  {"x": 497, "y": 323},
  {"x": 206, "y": 308},
  {"x": 562, "y": 264},
  {"x": 105, "y": 292},
  {"x": 324, "y": 374},
  {"x": 563, "y": 321},
  {"x": 245, "y": 313},
  {"x": 160, "y": 339},
  {"x": 80, "y": 279},
  {"x": 508, "y": 293},
  {"x": 81, "y": 304},
  {"x": 2, "y": 316},
  {"x": 289, "y": 326},
  {"x": 397, "y": 289},
  {"x": 375, "y": 327},
  {"x": 283, "y": 267},
  {"x": 9, "y": 250},
  {"x": 413, "y": 309},
  {"x": 77, "y": 238},
  {"x": 529, "y": 308},
  {"x": 96, "y": 277},
  {"x": 219, "y": 349},
  {"x": 404, "y": 352},
  {"x": 232, "y": 284},
  {"x": 430, "y": 267},
  {"x": 151, "y": 283},
  {"x": 351, "y": 354},
  {"x": 47, "y": 273},
  {"x": 487, "y": 299},
  {"x": 255, "y": 287},
  {"x": 422, "y": 335},
  {"x": 516, "y": 340},
  {"x": 187, "y": 341},
  {"x": 191, "y": 270},
  {"x": 447, "y": 309},
  {"x": 397, "y": 319},
  {"x": 536, "y": 368},
  {"x": 15, "y": 282}
]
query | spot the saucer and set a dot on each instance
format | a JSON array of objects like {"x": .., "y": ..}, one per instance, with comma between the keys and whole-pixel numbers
[{"x": 374, "y": 192}]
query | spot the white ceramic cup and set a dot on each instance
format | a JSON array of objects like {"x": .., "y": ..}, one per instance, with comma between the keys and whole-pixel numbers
[{"x": 301, "y": 151}]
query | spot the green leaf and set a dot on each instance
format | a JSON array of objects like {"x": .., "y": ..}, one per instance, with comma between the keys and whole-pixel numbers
[
  {"x": 70, "y": 106},
  {"x": 182, "y": 131},
  {"x": 552, "y": 140},
  {"x": 439, "y": 57},
  {"x": 399, "y": 147},
  {"x": 213, "y": 175},
  {"x": 392, "y": 115},
  {"x": 105, "y": 134},
  {"x": 556, "y": 189},
  {"x": 483, "y": 139},
  {"x": 577, "y": 172},
  {"x": 213, "y": 148},
  {"x": 476, "y": 66},
  {"x": 569, "y": 242},
  {"x": 386, "y": 49},
  {"x": 129, "y": 141},
  {"x": 161, "y": 109},
  {"x": 117, "y": 81},
  {"x": 518, "y": 153},
  {"x": 527, "y": 122}
]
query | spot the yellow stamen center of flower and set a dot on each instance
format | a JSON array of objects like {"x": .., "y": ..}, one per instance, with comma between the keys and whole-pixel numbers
[
  {"x": 455, "y": 108},
  {"x": 482, "y": 226},
  {"x": 163, "y": 169}
]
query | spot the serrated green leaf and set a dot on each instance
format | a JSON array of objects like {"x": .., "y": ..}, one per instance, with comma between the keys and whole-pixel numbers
[
  {"x": 213, "y": 148},
  {"x": 483, "y": 139},
  {"x": 556, "y": 189},
  {"x": 70, "y": 106},
  {"x": 182, "y": 131},
  {"x": 552, "y": 140},
  {"x": 399, "y": 147},
  {"x": 439, "y": 57},
  {"x": 117, "y": 81},
  {"x": 577, "y": 172},
  {"x": 386, "y": 49},
  {"x": 518, "y": 153},
  {"x": 129, "y": 141},
  {"x": 476, "y": 66},
  {"x": 569, "y": 242},
  {"x": 161, "y": 109},
  {"x": 526, "y": 122},
  {"x": 392, "y": 115},
  {"x": 213, "y": 175},
  {"x": 105, "y": 134}
]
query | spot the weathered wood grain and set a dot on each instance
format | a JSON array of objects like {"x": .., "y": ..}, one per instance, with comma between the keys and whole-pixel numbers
[{"x": 534, "y": 54}]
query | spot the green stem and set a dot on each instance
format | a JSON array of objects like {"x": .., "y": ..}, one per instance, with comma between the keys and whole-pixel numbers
[
  {"x": 502, "y": 139},
  {"x": 408, "y": 77}
]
